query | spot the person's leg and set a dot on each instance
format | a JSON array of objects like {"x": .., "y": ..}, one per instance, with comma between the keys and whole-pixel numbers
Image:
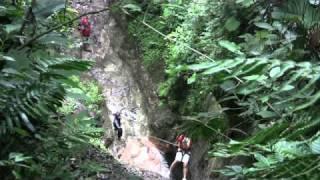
[
  {"x": 185, "y": 171},
  {"x": 173, "y": 165},
  {"x": 177, "y": 159},
  {"x": 114, "y": 126},
  {"x": 185, "y": 160},
  {"x": 119, "y": 133},
  {"x": 86, "y": 44}
]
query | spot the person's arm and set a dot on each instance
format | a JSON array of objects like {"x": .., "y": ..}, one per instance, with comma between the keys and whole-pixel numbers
[
  {"x": 90, "y": 28},
  {"x": 189, "y": 144},
  {"x": 178, "y": 144},
  {"x": 179, "y": 141},
  {"x": 116, "y": 122}
]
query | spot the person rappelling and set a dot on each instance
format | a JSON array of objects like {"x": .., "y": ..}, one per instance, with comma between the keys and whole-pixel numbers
[
  {"x": 183, "y": 154},
  {"x": 85, "y": 31},
  {"x": 117, "y": 124}
]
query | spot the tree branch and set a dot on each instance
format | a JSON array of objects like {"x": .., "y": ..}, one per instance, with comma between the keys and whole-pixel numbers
[
  {"x": 189, "y": 118},
  {"x": 29, "y": 17},
  {"x": 26, "y": 19},
  {"x": 59, "y": 26},
  {"x": 65, "y": 9}
]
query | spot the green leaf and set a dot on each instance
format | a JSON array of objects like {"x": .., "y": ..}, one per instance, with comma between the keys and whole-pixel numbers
[
  {"x": 10, "y": 28},
  {"x": 264, "y": 162},
  {"x": 228, "y": 85},
  {"x": 16, "y": 174},
  {"x": 21, "y": 132},
  {"x": 267, "y": 114},
  {"x": 10, "y": 71},
  {"x": 287, "y": 87},
  {"x": 45, "y": 8},
  {"x": 315, "y": 145},
  {"x": 267, "y": 134},
  {"x": 236, "y": 168},
  {"x": 3, "y": 11},
  {"x": 9, "y": 122},
  {"x": 311, "y": 100},
  {"x": 231, "y": 46},
  {"x": 232, "y": 24},
  {"x": 274, "y": 72},
  {"x": 214, "y": 70},
  {"x": 26, "y": 121},
  {"x": 291, "y": 149},
  {"x": 132, "y": 7},
  {"x": 201, "y": 66},
  {"x": 18, "y": 157},
  {"x": 245, "y": 3},
  {"x": 314, "y": 2},
  {"x": 252, "y": 77},
  {"x": 7, "y": 58},
  {"x": 192, "y": 79},
  {"x": 53, "y": 39},
  {"x": 264, "y": 25},
  {"x": 7, "y": 84}
]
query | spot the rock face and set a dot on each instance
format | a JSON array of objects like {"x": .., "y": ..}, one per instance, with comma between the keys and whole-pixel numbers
[
  {"x": 143, "y": 154},
  {"x": 127, "y": 87}
]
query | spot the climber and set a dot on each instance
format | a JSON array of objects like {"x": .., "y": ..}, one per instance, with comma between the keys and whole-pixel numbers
[
  {"x": 183, "y": 154},
  {"x": 85, "y": 30},
  {"x": 117, "y": 124}
]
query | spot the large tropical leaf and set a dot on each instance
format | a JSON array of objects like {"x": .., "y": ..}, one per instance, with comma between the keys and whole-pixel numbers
[{"x": 45, "y": 8}]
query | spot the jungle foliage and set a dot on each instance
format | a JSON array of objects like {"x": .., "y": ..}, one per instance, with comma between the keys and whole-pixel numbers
[
  {"x": 45, "y": 120},
  {"x": 260, "y": 59}
]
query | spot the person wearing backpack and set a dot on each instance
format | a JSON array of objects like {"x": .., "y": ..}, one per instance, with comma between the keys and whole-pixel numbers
[
  {"x": 183, "y": 154},
  {"x": 117, "y": 124},
  {"x": 85, "y": 31}
]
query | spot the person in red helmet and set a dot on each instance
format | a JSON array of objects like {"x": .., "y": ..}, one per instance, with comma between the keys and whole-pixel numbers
[
  {"x": 85, "y": 31},
  {"x": 183, "y": 154}
]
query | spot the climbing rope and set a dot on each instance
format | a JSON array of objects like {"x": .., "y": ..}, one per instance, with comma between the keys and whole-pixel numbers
[{"x": 162, "y": 140}]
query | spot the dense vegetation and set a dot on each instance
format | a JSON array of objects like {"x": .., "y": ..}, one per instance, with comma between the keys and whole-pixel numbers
[
  {"x": 47, "y": 125},
  {"x": 259, "y": 59}
]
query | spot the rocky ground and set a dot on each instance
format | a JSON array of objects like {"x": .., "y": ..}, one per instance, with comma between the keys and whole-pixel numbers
[{"x": 117, "y": 171}]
